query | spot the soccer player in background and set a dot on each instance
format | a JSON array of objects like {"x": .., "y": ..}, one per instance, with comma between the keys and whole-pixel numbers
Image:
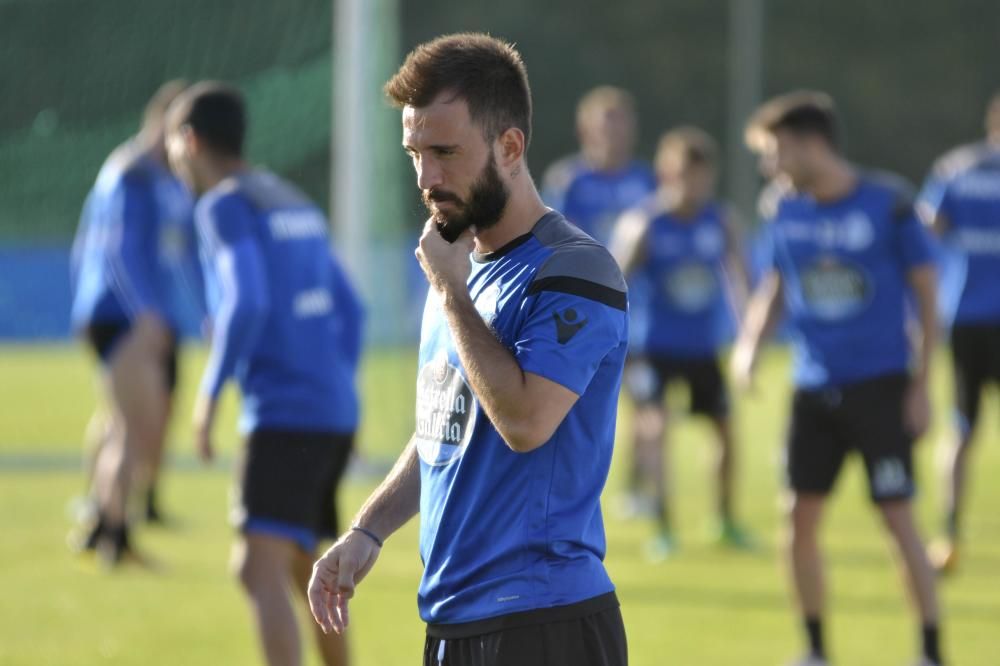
[
  {"x": 847, "y": 248},
  {"x": 521, "y": 354},
  {"x": 134, "y": 247},
  {"x": 287, "y": 326},
  {"x": 961, "y": 203},
  {"x": 686, "y": 248},
  {"x": 595, "y": 186}
]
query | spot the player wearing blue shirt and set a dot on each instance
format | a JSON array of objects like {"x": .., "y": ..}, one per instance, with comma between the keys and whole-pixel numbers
[
  {"x": 286, "y": 326},
  {"x": 961, "y": 203},
  {"x": 848, "y": 251},
  {"x": 521, "y": 355},
  {"x": 685, "y": 246},
  {"x": 133, "y": 252},
  {"x": 597, "y": 185}
]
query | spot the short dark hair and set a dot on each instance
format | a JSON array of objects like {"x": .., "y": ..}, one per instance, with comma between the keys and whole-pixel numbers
[
  {"x": 215, "y": 112},
  {"x": 695, "y": 145},
  {"x": 486, "y": 72},
  {"x": 803, "y": 112}
]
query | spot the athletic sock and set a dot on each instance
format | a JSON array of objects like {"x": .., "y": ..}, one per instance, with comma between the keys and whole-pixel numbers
[
  {"x": 932, "y": 648},
  {"x": 814, "y": 630}
]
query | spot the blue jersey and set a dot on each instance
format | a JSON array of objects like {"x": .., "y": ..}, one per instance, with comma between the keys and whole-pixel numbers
[
  {"x": 684, "y": 267},
  {"x": 844, "y": 267},
  {"x": 593, "y": 200},
  {"x": 286, "y": 321},
  {"x": 135, "y": 249},
  {"x": 500, "y": 531},
  {"x": 966, "y": 193}
]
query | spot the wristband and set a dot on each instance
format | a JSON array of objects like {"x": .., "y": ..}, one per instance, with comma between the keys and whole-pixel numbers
[{"x": 367, "y": 533}]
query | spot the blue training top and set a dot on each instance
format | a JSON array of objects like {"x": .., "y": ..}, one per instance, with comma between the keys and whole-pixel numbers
[
  {"x": 683, "y": 266},
  {"x": 965, "y": 190},
  {"x": 500, "y": 531},
  {"x": 844, "y": 267},
  {"x": 135, "y": 249},
  {"x": 593, "y": 200},
  {"x": 286, "y": 321}
]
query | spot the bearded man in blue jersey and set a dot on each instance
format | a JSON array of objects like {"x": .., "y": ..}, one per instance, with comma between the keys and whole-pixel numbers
[
  {"x": 286, "y": 325},
  {"x": 961, "y": 203},
  {"x": 521, "y": 354},
  {"x": 848, "y": 252}
]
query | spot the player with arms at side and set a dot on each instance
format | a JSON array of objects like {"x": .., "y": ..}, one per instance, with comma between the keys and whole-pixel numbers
[
  {"x": 134, "y": 249},
  {"x": 521, "y": 354},
  {"x": 961, "y": 203},
  {"x": 286, "y": 326},
  {"x": 685, "y": 246},
  {"x": 847, "y": 250}
]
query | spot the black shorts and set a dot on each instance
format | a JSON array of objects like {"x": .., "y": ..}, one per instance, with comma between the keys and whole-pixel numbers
[
  {"x": 287, "y": 483},
  {"x": 105, "y": 336},
  {"x": 975, "y": 357},
  {"x": 647, "y": 378},
  {"x": 867, "y": 417},
  {"x": 588, "y": 633}
]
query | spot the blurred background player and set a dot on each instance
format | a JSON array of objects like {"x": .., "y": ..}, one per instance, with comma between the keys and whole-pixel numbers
[
  {"x": 593, "y": 187},
  {"x": 961, "y": 203},
  {"x": 287, "y": 325},
  {"x": 134, "y": 247},
  {"x": 685, "y": 246},
  {"x": 847, "y": 247}
]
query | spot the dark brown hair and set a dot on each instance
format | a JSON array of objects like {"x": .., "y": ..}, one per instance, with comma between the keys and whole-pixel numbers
[
  {"x": 485, "y": 72},
  {"x": 802, "y": 112},
  {"x": 215, "y": 112}
]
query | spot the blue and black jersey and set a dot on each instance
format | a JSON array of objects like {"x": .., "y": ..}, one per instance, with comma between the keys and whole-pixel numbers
[
  {"x": 500, "y": 531},
  {"x": 286, "y": 320},
  {"x": 844, "y": 267},
  {"x": 135, "y": 249},
  {"x": 964, "y": 189},
  {"x": 683, "y": 268}
]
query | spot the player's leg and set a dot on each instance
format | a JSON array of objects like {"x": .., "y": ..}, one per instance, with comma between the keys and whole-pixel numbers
[
  {"x": 876, "y": 424},
  {"x": 969, "y": 356},
  {"x": 652, "y": 448},
  {"x": 138, "y": 389},
  {"x": 639, "y": 383},
  {"x": 151, "y": 477},
  {"x": 814, "y": 458},
  {"x": 332, "y": 646},
  {"x": 710, "y": 398},
  {"x": 262, "y": 562}
]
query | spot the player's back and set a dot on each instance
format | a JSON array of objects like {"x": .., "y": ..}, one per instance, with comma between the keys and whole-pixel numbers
[
  {"x": 299, "y": 373},
  {"x": 135, "y": 238},
  {"x": 970, "y": 202}
]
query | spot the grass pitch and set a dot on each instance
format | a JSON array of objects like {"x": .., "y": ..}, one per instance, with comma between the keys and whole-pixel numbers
[{"x": 705, "y": 607}]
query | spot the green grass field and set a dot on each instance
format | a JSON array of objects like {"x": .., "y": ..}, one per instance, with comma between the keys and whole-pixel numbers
[{"x": 705, "y": 607}]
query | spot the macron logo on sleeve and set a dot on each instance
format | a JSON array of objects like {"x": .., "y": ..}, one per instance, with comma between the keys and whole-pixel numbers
[{"x": 568, "y": 324}]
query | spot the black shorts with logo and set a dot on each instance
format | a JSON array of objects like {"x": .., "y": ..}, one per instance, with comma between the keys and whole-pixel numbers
[
  {"x": 587, "y": 633},
  {"x": 105, "y": 336},
  {"x": 867, "y": 417},
  {"x": 975, "y": 357},
  {"x": 287, "y": 483},
  {"x": 647, "y": 378}
]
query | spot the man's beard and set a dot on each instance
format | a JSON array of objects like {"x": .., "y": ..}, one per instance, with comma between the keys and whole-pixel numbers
[{"x": 483, "y": 209}]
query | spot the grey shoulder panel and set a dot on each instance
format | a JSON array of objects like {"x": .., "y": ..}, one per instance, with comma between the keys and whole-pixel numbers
[
  {"x": 578, "y": 264},
  {"x": 265, "y": 191}
]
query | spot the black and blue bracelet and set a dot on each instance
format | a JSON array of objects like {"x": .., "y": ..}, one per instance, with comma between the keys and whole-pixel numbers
[{"x": 367, "y": 533}]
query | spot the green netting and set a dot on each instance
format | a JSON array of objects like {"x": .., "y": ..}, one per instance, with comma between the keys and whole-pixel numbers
[{"x": 75, "y": 75}]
